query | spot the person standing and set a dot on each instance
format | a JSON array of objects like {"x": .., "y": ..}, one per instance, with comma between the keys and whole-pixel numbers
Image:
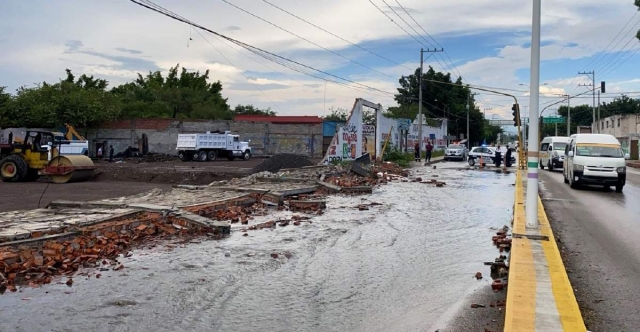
[
  {"x": 110, "y": 153},
  {"x": 416, "y": 151},
  {"x": 429, "y": 150},
  {"x": 99, "y": 153}
]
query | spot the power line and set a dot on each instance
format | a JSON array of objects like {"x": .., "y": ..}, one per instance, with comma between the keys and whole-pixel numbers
[
  {"x": 283, "y": 61},
  {"x": 307, "y": 40},
  {"x": 241, "y": 73},
  {"x": 615, "y": 54},
  {"x": 607, "y": 69},
  {"x": 611, "y": 42},
  {"x": 334, "y": 35},
  {"x": 414, "y": 30},
  {"x": 625, "y": 60},
  {"x": 426, "y": 33}
]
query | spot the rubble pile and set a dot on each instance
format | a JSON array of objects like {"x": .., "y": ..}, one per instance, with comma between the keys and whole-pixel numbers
[
  {"x": 351, "y": 180},
  {"x": 34, "y": 266},
  {"x": 295, "y": 220},
  {"x": 389, "y": 168},
  {"x": 280, "y": 161}
]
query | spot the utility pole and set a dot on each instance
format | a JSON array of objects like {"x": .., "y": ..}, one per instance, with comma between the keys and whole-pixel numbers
[
  {"x": 531, "y": 212},
  {"x": 468, "y": 109},
  {"x": 422, "y": 52},
  {"x": 598, "y": 123},
  {"x": 568, "y": 114},
  {"x": 592, "y": 85}
]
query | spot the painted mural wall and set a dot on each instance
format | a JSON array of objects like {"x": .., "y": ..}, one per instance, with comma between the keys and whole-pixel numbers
[{"x": 354, "y": 138}]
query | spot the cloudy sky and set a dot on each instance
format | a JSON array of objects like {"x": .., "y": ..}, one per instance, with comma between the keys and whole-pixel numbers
[{"x": 486, "y": 41}]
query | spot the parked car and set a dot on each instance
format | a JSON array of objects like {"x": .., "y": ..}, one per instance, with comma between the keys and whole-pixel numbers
[
  {"x": 504, "y": 151},
  {"x": 488, "y": 154},
  {"x": 552, "y": 152},
  {"x": 455, "y": 152},
  {"x": 481, "y": 152},
  {"x": 595, "y": 159}
]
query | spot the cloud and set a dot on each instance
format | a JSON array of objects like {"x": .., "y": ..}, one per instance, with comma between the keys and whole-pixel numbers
[
  {"x": 126, "y": 50},
  {"x": 488, "y": 40}
]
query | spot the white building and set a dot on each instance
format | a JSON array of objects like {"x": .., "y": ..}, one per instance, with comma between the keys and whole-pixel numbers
[{"x": 626, "y": 128}]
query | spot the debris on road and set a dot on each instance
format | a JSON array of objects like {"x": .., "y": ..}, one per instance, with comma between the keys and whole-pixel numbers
[{"x": 280, "y": 161}]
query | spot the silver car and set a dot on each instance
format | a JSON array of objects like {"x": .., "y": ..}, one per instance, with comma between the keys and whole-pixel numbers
[{"x": 455, "y": 152}]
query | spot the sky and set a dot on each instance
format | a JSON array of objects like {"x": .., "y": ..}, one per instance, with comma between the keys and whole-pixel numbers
[{"x": 485, "y": 41}]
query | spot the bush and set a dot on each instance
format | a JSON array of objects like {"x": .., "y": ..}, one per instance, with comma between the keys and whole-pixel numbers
[{"x": 401, "y": 158}]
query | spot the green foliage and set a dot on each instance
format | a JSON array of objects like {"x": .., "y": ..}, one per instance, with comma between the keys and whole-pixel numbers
[
  {"x": 341, "y": 115},
  {"x": 439, "y": 101},
  {"x": 86, "y": 101},
  {"x": 337, "y": 114},
  {"x": 184, "y": 95},
  {"x": 401, "y": 158},
  {"x": 83, "y": 102},
  {"x": 582, "y": 115},
  {"x": 251, "y": 110}
]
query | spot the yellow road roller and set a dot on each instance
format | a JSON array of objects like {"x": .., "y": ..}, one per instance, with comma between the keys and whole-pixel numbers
[{"x": 29, "y": 159}]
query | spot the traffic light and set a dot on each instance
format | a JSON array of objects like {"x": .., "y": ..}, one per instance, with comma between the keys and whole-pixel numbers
[
  {"x": 516, "y": 114},
  {"x": 603, "y": 87}
]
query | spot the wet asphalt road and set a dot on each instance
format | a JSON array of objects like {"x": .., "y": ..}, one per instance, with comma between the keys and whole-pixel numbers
[
  {"x": 406, "y": 265},
  {"x": 600, "y": 240}
]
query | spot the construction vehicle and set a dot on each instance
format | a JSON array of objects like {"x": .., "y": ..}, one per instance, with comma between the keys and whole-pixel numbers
[
  {"x": 38, "y": 155},
  {"x": 209, "y": 146}
]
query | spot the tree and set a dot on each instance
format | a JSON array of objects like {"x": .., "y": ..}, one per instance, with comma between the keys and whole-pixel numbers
[
  {"x": 447, "y": 99},
  {"x": 341, "y": 115},
  {"x": 82, "y": 103},
  {"x": 337, "y": 114},
  {"x": 251, "y": 110},
  {"x": 187, "y": 95}
]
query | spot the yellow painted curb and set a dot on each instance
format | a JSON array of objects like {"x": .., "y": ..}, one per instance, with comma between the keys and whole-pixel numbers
[{"x": 520, "y": 313}]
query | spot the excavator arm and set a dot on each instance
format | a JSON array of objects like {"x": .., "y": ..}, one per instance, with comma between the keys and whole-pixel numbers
[{"x": 71, "y": 132}]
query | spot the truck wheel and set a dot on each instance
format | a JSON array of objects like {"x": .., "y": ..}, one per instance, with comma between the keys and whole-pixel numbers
[
  {"x": 202, "y": 156},
  {"x": 246, "y": 155},
  {"x": 13, "y": 169},
  {"x": 619, "y": 188},
  {"x": 182, "y": 156},
  {"x": 212, "y": 155}
]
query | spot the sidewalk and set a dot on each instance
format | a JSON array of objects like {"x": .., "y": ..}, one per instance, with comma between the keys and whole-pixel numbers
[
  {"x": 633, "y": 163},
  {"x": 539, "y": 296},
  {"x": 434, "y": 160}
]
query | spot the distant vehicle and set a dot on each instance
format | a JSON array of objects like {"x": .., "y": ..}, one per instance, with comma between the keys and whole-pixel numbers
[
  {"x": 552, "y": 152},
  {"x": 455, "y": 151},
  {"x": 486, "y": 153},
  {"x": 210, "y": 146},
  {"x": 595, "y": 159}
]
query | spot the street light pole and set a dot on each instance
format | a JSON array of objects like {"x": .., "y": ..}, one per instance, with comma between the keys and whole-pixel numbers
[{"x": 534, "y": 104}]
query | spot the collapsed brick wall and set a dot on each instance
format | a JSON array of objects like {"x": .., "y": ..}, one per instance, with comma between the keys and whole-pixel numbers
[{"x": 161, "y": 135}]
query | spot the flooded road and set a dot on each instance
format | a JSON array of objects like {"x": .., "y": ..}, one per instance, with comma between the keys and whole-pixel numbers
[{"x": 405, "y": 265}]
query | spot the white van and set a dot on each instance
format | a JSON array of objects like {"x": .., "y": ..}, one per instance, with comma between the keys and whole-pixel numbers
[
  {"x": 595, "y": 159},
  {"x": 552, "y": 152}
]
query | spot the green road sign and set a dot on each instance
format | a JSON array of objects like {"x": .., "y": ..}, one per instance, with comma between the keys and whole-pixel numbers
[{"x": 553, "y": 120}]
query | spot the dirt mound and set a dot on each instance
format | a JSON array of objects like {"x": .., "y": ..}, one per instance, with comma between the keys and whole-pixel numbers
[{"x": 284, "y": 160}]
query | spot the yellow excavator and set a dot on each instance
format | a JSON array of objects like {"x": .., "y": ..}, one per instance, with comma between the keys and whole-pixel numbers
[{"x": 26, "y": 160}]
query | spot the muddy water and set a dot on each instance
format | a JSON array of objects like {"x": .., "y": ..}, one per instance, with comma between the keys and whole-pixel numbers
[{"x": 402, "y": 266}]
